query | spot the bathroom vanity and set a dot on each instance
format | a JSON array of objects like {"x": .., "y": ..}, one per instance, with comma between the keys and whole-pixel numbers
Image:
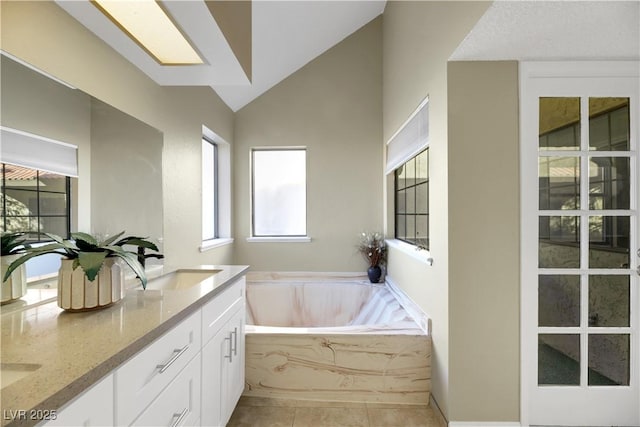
[{"x": 169, "y": 355}]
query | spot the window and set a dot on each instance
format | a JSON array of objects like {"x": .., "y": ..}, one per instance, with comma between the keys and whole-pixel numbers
[
  {"x": 35, "y": 202},
  {"x": 216, "y": 191},
  {"x": 209, "y": 190},
  {"x": 412, "y": 200},
  {"x": 408, "y": 159},
  {"x": 279, "y": 195}
]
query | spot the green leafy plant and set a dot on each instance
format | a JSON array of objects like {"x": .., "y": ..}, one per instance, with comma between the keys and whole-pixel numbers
[
  {"x": 373, "y": 248},
  {"x": 12, "y": 243},
  {"x": 89, "y": 253}
]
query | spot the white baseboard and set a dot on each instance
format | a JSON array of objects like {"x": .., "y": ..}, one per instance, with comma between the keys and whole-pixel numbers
[{"x": 484, "y": 424}]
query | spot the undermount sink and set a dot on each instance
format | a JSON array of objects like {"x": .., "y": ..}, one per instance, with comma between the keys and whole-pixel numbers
[
  {"x": 181, "y": 279},
  {"x": 12, "y": 372}
]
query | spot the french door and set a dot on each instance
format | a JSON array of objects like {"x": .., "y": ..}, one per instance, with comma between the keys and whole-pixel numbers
[{"x": 580, "y": 296}]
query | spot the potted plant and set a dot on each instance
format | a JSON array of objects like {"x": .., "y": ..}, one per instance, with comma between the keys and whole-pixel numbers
[
  {"x": 14, "y": 285},
  {"x": 374, "y": 250},
  {"x": 99, "y": 282}
]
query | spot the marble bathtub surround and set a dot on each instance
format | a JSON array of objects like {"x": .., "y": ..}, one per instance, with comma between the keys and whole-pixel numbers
[
  {"x": 346, "y": 367},
  {"x": 75, "y": 350},
  {"x": 328, "y": 338}
]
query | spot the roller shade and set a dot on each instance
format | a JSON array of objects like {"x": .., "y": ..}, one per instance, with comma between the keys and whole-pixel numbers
[
  {"x": 410, "y": 139},
  {"x": 37, "y": 152}
]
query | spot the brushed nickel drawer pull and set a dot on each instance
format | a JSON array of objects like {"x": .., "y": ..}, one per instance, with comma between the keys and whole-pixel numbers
[
  {"x": 176, "y": 353},
  {"x": 180, "y": 416}
]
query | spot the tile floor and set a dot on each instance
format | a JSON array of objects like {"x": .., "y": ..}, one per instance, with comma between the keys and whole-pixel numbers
[{"x": 263, "y": 412}]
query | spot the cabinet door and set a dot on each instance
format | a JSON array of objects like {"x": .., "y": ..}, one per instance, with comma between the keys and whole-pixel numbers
[
  {"x": 235, "y": 379},
  {"x": 92, "y": 408},
  {"x": 214, "y": 377},
  {"x": 223, "y": 371}
]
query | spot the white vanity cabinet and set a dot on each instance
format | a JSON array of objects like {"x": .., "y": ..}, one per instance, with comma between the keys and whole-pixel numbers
[
  {"x": 92, "y": 408},
  {"x": 191, "y": 375},
  {"x": 223, "y": 355}
]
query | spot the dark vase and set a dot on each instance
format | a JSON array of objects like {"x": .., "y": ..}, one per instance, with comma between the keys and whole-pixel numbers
[{"x": 374, "y": 274}]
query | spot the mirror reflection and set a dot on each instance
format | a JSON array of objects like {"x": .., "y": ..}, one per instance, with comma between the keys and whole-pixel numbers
[{"x": 115, "y": 183}]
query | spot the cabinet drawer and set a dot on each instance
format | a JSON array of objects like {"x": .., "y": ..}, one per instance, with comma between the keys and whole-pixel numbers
[
  {"x": 143, "y": 377},
  {"x": 92, "y": 408},
  {"x": 179, "y": 403},
  {"x": 216, "y": 311}
]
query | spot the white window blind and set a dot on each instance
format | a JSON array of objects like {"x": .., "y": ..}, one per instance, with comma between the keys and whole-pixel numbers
[
  {"x": 410, "y": 139},
  {"x": 37, "y": 152}
]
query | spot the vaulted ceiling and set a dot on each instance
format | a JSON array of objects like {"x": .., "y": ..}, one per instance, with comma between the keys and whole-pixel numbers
[{"x": 286, "y": 35}]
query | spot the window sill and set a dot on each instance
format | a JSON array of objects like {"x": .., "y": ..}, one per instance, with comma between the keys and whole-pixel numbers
[
  {"x": 282, "y": 239},
  {"x": 215, "y": 243},
  {"x": 422, "y": 255}
]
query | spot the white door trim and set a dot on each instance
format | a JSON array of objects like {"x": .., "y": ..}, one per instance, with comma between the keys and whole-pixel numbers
[{"x": 533, "y": 76}]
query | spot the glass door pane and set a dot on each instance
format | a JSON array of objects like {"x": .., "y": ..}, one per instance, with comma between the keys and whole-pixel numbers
[{"x": 584, "y": 223}]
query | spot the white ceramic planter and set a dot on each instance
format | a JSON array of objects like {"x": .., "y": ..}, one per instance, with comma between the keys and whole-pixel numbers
[
  {"x": 16, "y": 285},
  {"x": 77, "y": 293}
]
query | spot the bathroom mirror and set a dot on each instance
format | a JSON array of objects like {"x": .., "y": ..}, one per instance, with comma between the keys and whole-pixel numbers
[{"x": 119, "y": 158}]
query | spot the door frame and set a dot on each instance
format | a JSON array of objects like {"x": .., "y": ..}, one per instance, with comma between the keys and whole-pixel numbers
[{"x": 532, "y": 75}]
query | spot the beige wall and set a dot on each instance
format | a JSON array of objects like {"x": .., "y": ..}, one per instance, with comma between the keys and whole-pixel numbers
[
  {"x": 418, "y": 38},
  {"x": 42, "y": 34},
  {"x": 484, "y": 244},
  {"x": 332, "y": 106}
]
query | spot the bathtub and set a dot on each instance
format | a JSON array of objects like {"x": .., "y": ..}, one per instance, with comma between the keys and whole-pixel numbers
[{"x": 334, "y": 338}]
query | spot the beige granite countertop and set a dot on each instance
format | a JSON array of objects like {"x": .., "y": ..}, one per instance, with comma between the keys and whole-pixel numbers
[{"x": 76, "y": 350}]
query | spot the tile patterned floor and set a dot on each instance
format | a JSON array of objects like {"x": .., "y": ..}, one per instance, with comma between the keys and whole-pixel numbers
[{"x": 262, "y": 412}]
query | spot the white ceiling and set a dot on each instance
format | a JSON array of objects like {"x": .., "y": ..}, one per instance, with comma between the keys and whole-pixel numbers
[
  {"x": 555, "y": 30},
  {"x": 286, "y": 35}
]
